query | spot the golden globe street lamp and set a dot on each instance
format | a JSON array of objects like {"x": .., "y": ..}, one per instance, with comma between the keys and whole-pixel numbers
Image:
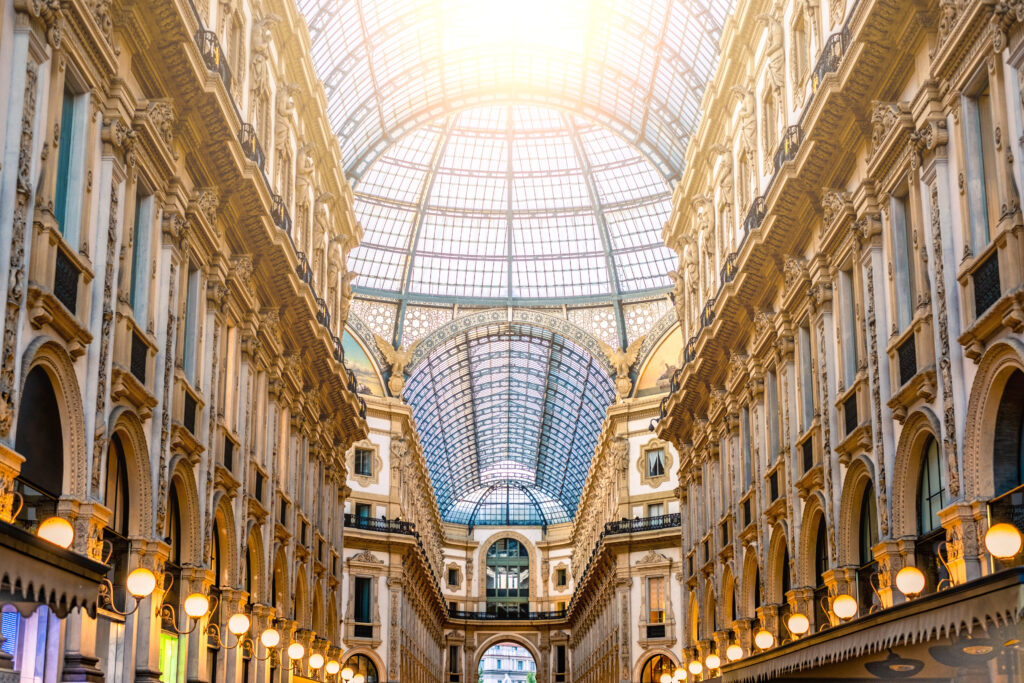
[
  {"x": 844, "y": 607},
  {"x": 910, "y": 581},
  {"x": 764, "y": 639},
  {"x": 798, "y": 624},
  {"x": 734, "y": 652},
  {"x": 140, "y": 584},
  {"x": 1003, "y": 541}
]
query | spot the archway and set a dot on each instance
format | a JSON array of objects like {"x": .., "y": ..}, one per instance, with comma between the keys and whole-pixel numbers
[
  {"x": 507, "y": 568},
  {"x": 363, "y": 664},
  {"x": 507, "y": 662},
  {"x": 506, "y": 638},
  {"x": 655, "y": 666}
]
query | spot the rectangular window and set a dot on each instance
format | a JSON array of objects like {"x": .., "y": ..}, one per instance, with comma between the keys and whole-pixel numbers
[
  {"x": 656, "y": 462},
  {"x": 453, "y": 577},
  {"x": 848, "y": 329},
  {"x": 362, "y": 600},
  {"x": 561, "y": 577},
  {"x": 138, "y": 292},
  {"x": 453, "y": 659},
  {"x": 656, "y": 600},
  {"x": 655, "y": 510},
  {"x": 983, "y": 196},
  {"x": 67, "y": 204},
  {"x": 9, "y": 630},
  {"x": 363, "y": 510},
  {"x": 168, "y": 658},
  {"x": 806, "y": 379},
  {"x": 191, "y": 329},
  {"x": 903, "y": 260},
  {"x": 364, "y": 462},
  {"x": 747, "y": 465},
  {"x": 773, "y": 414}
]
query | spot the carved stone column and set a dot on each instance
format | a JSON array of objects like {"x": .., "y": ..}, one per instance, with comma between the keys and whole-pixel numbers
[
  {"x": 622, "y": 590},
  {"x": 232, "y": 602},
  {"x": 80, "y": 660},
  {"x": 287, "y": 629},
  {"x": 195, "y": 580},
  {"x": 10, "y": 467},
  {"x": 963, "y": 550},
  {"x": 262, "y": 618},
  {"x": 152, "y": 555},
  {"x": 395, "y": 587}
]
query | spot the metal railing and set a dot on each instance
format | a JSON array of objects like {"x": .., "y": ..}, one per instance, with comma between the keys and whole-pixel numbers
[
  {"x": 386, "y": 526},
  {"x": 831, "y": 56},
  {"x": 213, "y": 56},
  {"x": 707, "y": 315},
  {"x": 65, "y": 281},
  {"x": 639, "y": 524},
  {"x": 987, "y": 289},
  {"x": 304, "y": 271},
  {"x": 279, "y": 212},
  {"x": 506, "y": 616},
  {"x": 755, "y": 215},
  {"x": 789, "y": 146},
  {"x": 728, "y": 273},
  {"x": 251, "y": 145}
]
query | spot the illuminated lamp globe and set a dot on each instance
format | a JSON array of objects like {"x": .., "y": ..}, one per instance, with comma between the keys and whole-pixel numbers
[
  {"x": 712, "y": 661},
  {"x": 734, "y": 652},
  {"x": 316, "y": 660},
  {"x": 347, "y": 673},
  {"x": 196, "y": 605},
  {"x": 141, "y": 582},
  {"x": 910, "y": 581},
  {"x": 238, "y": 624},
  {"x": 359, "y": 678},
  {"x": 844, "y": 606},
  {"x": 695, "y": 667},
  {"x": 798, "y": 624},
  {"x": 1002, "y": 540},
  {"x": 332, "y": 668},
  {"x": 666, "y": 678},
  {"x": 679, "y": 674},
  {"x": 763, "y": 639},
  {"x": 295, "y": 651},
  {"x": 57, "y": 531},
  {"x": 270, "y": 638}
]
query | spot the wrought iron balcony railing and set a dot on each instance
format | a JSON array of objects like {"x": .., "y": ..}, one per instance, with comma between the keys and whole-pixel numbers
[
  {"x": 251, "y": 145},
  {"x": 213, "y": 56},
  {"x": 789, "y": 146},
  {"x": 303, "y": 269},
  {"x": 511, "y": 615},
  {"x": 831, "y": 57},
  {"x": 639, "y": 524},
  {"x": 729, "y": 268},
  {"x": 754, "y": 215},
  {"x": 707, "y": 316},
  {"x": 690, "y": 350},
  {"x": 279, "y": 212},
  {"x": 323, "y": 315},
  {"x": 387, "y": 526}
]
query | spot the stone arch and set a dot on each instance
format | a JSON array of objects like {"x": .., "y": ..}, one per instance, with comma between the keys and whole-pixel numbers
[
  {"x": 693, "y": 620},
  {"x": 649, "y": 654},
  {"x": 254, "y": 548},
  {"x": 224, "y": 515},
  {"x": 921, "y": 425},
  {"x": 996, "y": 367},
  {"x": 778, "y": 546},
  {"x": 859, "y": 475},
  {"x": 126, "y": 423},
  {"x": 481, "y": 560},
  {"x": 48, "y": 354},
  {"x": 559, "y": 326},
  {"x": 710, "y": 608},
  {"x": 300, "y": 604},
  {"x": 372, "y": 655},
  {"x": 749, "y": 584},
  {"x": 318, "y": 624},
  {"x": 188, "y": 505},
  {"x": 332, "y": 619},
  {"x": 497, "y": 639},
  {"x": 814, "y": 513},
  {"x": 280, "y": 582},
  {"x": 727, "y": 600}
]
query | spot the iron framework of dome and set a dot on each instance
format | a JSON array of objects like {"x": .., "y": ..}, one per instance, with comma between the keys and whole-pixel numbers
[
  {"x": 508, "y": 416},
  {"x": 511, "y": 203}
]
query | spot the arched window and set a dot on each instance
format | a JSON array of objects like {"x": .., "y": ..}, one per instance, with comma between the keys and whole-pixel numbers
[
  {"x": 820, "y": 567},
  {"x": 508, "y": 578},
  {"x": 867, "y": 538},
  {"x": 361, "y": 664},
  {"x": 931, "y": 497},
  {"x": 169, "y": 639},
  {"x": 116, "y": 492},
  {"x": 1008, "y": 440},
  {"x": 931, "y": 489},
  {"x": 655, "y": 667},
  {"x": 40, "y": 440}
]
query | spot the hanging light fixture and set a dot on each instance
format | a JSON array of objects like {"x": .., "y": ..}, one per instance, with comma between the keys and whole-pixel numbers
[
  {"x": 734, "y": 652},
  {"x": 844, "y": 606},
  {"x": 270, "y": 638},
  {"x": 695, "y": 667},
  {"x": 140, "y": 584},
  {"x": 296, "y": 651},
  {"x": 332, "y": 667},
  {"x": 712, "y": 661},
  {"x": 316, "y": 660},
  {"x": 764, "y": 639},
  {"x": 196, "y": 607},
  {"x": 798, "y": 624}
]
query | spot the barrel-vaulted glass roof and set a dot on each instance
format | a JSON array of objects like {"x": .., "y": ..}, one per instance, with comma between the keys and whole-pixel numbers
[
  {"x": 510, "y": 203},
  {"x": 508, "y": 416},
  {"x": 638, "y": 67}
]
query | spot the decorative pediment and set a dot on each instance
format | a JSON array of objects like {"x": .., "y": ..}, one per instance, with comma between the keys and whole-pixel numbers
[
  {"x": 366, "y": 557},
  {"x": 652, "y": 557}
]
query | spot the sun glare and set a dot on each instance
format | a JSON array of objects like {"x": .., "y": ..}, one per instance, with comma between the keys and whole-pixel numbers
[{"x": 503, "y": 25}]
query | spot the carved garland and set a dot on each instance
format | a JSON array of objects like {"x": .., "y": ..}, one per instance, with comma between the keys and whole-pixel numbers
[{"x": 876, "y": 399}]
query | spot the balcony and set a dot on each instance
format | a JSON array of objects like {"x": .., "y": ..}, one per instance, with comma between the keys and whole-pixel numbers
[
  {"x": 213, "y": 56},
  {"x": 831, "y": 57},
  {"x": 789, "y": 146},
  {"x": 303, "y": 269},
  {"x": 986, "y": 284},
  {"x": 755, "y": 215},
  {"x": 729, "y": 268},
  {"x": 323, "y": 315},
  {"x": 907, "y": 356},
  {"x": 385, "y": 526},
  {"x": 251, "y": 145},
  {"x": 462, "y": 615},
  {"x": 65, "y": 282},
  {"x": 707, "y": 316},
  {"x": 279, "y": 212},
  {"x": 641, "y": 524},
  {"x": 690, "y": 350}
]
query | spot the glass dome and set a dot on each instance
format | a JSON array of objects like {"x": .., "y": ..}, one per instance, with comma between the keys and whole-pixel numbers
[
  {"x": 508, "y": 415},
  {"x": 511, "y": 203}
]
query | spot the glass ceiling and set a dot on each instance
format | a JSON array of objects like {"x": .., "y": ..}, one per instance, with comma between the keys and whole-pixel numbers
[
  {"x": 638, "y": 67},
  {"x": 511, "y": 202},
  {"x": 508, "y": 416}
]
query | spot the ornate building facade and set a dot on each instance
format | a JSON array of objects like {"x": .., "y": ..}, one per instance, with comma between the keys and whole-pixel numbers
[{"x": 625, "y": 470}]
